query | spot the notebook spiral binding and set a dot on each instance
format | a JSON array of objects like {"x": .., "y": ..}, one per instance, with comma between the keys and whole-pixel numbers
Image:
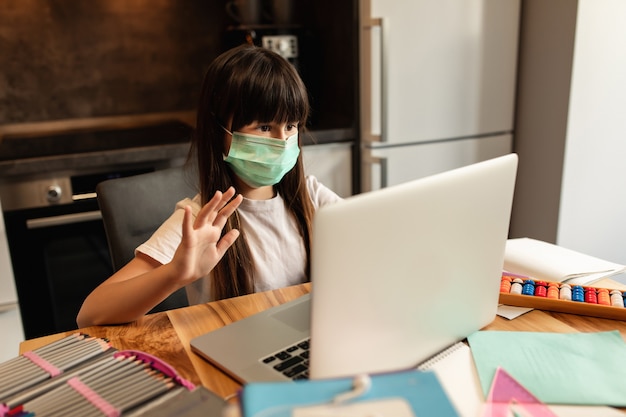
[{"x": 433, "y": 360}]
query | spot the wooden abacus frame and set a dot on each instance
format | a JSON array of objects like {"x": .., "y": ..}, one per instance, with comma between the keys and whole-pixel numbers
[{"x": 564, "y": 306}]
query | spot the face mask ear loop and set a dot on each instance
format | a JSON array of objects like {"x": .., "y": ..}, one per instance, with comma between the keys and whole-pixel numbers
[
  {"x": 219, "y": 123},
  {"x": 225, "y": 130}
]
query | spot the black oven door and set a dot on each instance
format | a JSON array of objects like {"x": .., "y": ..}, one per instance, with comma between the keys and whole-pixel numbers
[{"x": 59, "y": 254}]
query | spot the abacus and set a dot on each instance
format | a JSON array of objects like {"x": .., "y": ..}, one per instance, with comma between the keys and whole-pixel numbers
[{"x": 562, "y": 297}]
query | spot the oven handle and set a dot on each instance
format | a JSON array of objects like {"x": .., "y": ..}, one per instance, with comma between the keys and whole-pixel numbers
[{"x": 63, "y": 219}]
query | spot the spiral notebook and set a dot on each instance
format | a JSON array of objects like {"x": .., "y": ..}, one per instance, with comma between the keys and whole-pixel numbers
[
  {"x": 457, "y": 374},
  {"x": 456, "y": 387}
]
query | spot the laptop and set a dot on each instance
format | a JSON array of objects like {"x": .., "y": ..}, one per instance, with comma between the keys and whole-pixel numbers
[{"x": 398, "y": 274}]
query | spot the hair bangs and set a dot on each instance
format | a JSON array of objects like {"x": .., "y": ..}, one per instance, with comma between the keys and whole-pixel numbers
[{"x": 275, "y": 93}]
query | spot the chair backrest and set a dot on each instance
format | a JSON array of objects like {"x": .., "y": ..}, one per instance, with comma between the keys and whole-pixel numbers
[{"x": 134, "y": 207}]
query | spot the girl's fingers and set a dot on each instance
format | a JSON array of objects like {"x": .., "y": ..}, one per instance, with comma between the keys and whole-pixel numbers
[
  {"x": 227, "y": 241},
  {"x": 227, "y": 211},
  {"x": 188, "y": 223},
  {"x": 210, "y": 210},
  {"x": 206, "y": 210}
]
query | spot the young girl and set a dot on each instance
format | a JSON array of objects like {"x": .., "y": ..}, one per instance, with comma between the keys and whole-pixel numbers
[{"x": 218, "y": 244}]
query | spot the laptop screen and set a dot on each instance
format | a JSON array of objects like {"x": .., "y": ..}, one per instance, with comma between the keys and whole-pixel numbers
[{"x": 400, "y": 273}]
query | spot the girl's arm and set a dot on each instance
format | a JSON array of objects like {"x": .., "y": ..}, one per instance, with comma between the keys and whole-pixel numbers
[{"x": 143, "y": 283}]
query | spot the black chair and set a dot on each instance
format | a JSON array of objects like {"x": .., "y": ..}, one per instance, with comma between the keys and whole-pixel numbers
[{"x": 134, "y": 207}]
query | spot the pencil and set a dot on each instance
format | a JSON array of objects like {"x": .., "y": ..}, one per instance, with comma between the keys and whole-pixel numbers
[{"x": 95, "y": 366}]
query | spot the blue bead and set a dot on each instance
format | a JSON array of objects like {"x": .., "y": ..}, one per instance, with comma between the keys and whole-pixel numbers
[
  {"x": 578, "y": 296},
  {"x": 529, "y": 287}
]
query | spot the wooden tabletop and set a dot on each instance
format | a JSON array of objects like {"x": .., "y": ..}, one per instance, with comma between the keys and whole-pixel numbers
[{"x": 167, "y": 334}]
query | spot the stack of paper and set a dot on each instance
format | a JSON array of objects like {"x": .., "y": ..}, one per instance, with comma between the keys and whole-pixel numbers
[
  {"x": 583, "y": 369},
  {"x": 548, "y": 262}
]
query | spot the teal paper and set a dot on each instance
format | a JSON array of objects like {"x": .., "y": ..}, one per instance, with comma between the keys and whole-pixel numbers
[{"x": 558, "y": 368}]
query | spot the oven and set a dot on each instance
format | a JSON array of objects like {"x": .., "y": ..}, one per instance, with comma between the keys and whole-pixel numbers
[{"x": 54, "y": 229}]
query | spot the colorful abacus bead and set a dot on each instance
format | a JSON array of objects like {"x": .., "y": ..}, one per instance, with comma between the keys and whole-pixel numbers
[
  {"x": 604, "y": 297},
  {"x": 578, "y": 293},
  {"x": 529, "y": 287},
  {"x": 516, "y": 286},
  {"x": 505, "y": 284},
  {"x": 591, "y": 296},
  {"x": 541, "y": 289},
  {"x": 565, "y": 292},
  {"x": 616, "y": 298},
  {"x": 553, "y": 290}
]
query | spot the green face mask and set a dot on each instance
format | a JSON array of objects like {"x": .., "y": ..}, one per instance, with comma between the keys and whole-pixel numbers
[{"x": 260, "y": 161}]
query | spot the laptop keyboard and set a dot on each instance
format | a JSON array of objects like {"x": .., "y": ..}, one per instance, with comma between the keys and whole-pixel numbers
[{"x": 292, "y": 361}]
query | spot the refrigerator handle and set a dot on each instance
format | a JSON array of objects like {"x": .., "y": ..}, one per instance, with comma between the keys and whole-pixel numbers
[
  {"x": 372, "y": 79},
  {"x": 375, "y": 173}
]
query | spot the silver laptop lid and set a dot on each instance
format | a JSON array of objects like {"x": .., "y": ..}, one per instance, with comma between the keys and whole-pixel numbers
[{"x": 400, "y": 273}]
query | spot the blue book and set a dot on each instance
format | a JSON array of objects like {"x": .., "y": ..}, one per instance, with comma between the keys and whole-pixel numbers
[{"x": 419, "y": 392}]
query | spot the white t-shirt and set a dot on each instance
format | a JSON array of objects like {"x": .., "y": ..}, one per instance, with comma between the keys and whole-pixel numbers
[{"x": 271, "y": 232}]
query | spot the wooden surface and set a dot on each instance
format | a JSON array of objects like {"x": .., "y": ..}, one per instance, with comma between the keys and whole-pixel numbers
[{"x": 167, "y": 335}]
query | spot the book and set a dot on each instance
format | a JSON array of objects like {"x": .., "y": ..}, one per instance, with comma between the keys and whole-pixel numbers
[
  {"x": 457, "y": 373},
  {"x": 548, "y": 262},
  {"x": 398, "y": 394}
]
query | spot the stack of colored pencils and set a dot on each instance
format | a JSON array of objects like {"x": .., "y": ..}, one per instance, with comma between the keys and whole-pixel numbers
[
  {"x": 83, "y": 376},
  {"x": 31, "y": 368}
]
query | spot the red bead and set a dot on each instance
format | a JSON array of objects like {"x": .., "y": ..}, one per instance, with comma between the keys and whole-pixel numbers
[
  {"x": 590, "y": 295},
  {"x": 541, "y": 289}
]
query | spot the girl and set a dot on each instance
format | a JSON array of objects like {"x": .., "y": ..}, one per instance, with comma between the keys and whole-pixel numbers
[{"x": 253, "y": 104}]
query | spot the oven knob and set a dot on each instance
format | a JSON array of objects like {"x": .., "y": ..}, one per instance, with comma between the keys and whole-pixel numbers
[{"x": 53, "y": 194}]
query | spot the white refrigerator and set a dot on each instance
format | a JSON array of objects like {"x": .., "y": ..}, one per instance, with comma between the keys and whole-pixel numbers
[
  {"x": 10, "y": 319},
  {"x": 437, "y": 85}
]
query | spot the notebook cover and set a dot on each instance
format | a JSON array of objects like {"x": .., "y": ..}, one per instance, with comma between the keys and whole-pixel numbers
[{"x": 421, "y": 390}]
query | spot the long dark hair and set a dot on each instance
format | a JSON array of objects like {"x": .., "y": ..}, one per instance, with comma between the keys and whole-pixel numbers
[{"x": 243, "y": 85}]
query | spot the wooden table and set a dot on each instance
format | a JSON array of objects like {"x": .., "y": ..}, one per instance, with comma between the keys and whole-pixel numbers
[{"x": 167, "y": 334}]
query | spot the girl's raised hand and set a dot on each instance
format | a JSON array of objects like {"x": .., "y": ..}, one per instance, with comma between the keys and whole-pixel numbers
[{"x": 201, "y": 247}]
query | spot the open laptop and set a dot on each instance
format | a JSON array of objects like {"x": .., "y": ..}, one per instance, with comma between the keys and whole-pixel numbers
[{"x": 398, "y": 274}]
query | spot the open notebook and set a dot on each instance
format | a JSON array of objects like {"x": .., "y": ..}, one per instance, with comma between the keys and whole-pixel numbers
[{"x": 398, "y": 274}]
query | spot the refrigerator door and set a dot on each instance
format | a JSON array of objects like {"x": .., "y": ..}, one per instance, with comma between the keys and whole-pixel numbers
[
  {"x": 437, "y": 69},
  {"x": 391, "y": 165},
  {"x": 8, "y": 293}
]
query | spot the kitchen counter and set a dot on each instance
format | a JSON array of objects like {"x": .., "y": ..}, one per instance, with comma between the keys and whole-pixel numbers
[
  {"x": 67, "y": 161},
  {"x": 92, "y": 160},
  {"x": 81, "y": 145}
]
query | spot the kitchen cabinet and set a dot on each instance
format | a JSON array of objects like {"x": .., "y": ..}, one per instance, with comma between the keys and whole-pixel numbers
[
  {"x": 331, "y": 164},
  {"x": 110, "y": 60}
]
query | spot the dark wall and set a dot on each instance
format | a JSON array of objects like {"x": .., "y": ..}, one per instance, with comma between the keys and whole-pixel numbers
[
  {"x": 64, "y": 59},
  {"x": 71, "y": 59}
]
